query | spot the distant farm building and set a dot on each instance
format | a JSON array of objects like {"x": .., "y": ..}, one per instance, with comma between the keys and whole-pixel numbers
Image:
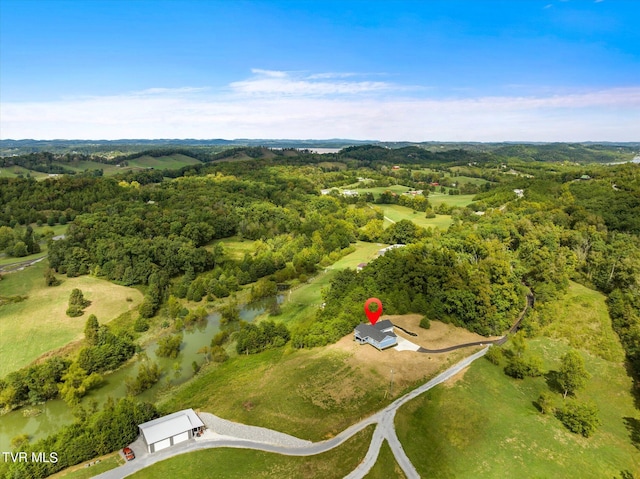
[
  {"x": 519, "y": 193},
  {"x": 395, "y": 167},
  {"x": 361, "y": 266},
  {"x": 379, "y": 335},
  {"x": 169, "y": 430},
  {"x": 349, "y": 193},
  {"x": 382, "y": 251},
  {"x": 412, "y": 193}
]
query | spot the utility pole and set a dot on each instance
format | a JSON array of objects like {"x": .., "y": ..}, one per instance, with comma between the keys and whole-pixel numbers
[{"x": 391, "y": 384}]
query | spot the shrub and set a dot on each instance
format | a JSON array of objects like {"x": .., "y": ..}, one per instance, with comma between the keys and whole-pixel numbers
[
  {"x": 520, "y": 368},
  {"x": 141, "y": 325},
  {"x": 580, "y": 418},
  {"x": 494, "y": 355},
  {"x": 425, "y": 323},
  {"x": 545, "y": 402}
]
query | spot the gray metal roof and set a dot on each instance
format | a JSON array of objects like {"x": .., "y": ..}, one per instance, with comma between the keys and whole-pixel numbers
[
  {"x": 384, "y": 324},
  {"x": 171, "y": 425},
  {"x": 366, "y": 330}
]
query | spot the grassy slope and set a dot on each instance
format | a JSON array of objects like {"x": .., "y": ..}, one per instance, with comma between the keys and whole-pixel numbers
[
  {"x": 312, "y": 394},
  {"x": 39, "y": 324},
  {"x": 243, "y": 463},
  {"x": 397, "y": 213},
  {"x": 582, "y": 319},
  {"x": 386, "y": 466},
  {"x": 486, "y": 425},
  {"x": 106, "y": 463}
]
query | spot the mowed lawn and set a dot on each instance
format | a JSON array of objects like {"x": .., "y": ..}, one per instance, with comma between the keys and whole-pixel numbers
[
  {"x": 397, "y": 213},
  {"x": 485, "y": 425},
  {"x": 39, "y": 324},
  {"x": 231, "y": 463},
  {"x": 386, "y": 466}
]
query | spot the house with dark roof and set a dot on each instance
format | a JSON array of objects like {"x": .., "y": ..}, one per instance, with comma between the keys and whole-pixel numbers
[{"x": 379, "y": 335}]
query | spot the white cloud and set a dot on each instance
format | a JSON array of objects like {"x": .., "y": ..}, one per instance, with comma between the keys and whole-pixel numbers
[
  {"x": 267, "y": 82},
  {"x": 286, "y": 105}
]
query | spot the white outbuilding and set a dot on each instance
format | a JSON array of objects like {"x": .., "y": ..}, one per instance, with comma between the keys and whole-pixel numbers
[{"x": 169, "y": 430}]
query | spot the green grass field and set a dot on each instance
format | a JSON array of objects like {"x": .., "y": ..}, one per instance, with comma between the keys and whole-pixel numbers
[
  {"x": 459, "y": 201},
  {"x": 243, "y": 463},
  {"x": 14, "y": 171},
  {"x": 397, "y": 213},
  {"x": 302, "y": 302},
  {"x": 39, "y": 324},
  {"x": 486, "y": 425},
  {"x": 386, "y": 466},
  {"x": 236, "y": 247},
  {"x": 312, "y": 394},
  {"x": 80, "y": 166},
  {"x": 162, "y": 162},
  {"x": 581, "y": 318}
]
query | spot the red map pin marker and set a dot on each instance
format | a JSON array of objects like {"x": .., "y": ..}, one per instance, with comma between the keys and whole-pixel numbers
[{"x": 373, "y": 315}]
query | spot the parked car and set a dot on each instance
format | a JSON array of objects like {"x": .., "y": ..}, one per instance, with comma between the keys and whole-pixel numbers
[{"x": 128, "y": 453}]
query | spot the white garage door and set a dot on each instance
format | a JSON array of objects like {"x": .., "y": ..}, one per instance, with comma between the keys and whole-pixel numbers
[
  {"x": 158, "y": 446},
  {"x": 181, "y": 437}
]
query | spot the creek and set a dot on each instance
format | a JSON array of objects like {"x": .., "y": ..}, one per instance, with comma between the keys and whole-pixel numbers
[{"x": 56, "y": 414}]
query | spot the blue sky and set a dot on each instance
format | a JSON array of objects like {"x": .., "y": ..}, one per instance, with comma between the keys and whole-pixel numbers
[{"x": 526, "y": 70}]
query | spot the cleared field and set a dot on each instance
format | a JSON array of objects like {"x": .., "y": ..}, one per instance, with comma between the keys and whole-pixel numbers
[
  {"x": 236, "y": 247},
  {"x": 581, "y": 318},
  {"x": 397, "y": 213},
  {"x": 452, "y": 200},
  {"x": 14, "y": 171},
  {"x": 80, "y": 166},
  {"x": 39, "y": 324},
  {"x": 242, "y": 463},
  {"x": 485, "y": 424},
  {"x": 163, "y": 162}
]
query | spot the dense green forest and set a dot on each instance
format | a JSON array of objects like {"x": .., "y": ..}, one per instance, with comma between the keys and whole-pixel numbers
[{"x": 163, "y": 231}]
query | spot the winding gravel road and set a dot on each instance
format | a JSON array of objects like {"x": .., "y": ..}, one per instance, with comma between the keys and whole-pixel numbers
[{"x": 223, "y": 433}]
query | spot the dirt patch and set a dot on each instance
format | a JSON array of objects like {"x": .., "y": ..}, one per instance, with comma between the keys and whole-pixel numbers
[
  {"x": 409, "y": 366},
  {"x": 454, "y": 379}
]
